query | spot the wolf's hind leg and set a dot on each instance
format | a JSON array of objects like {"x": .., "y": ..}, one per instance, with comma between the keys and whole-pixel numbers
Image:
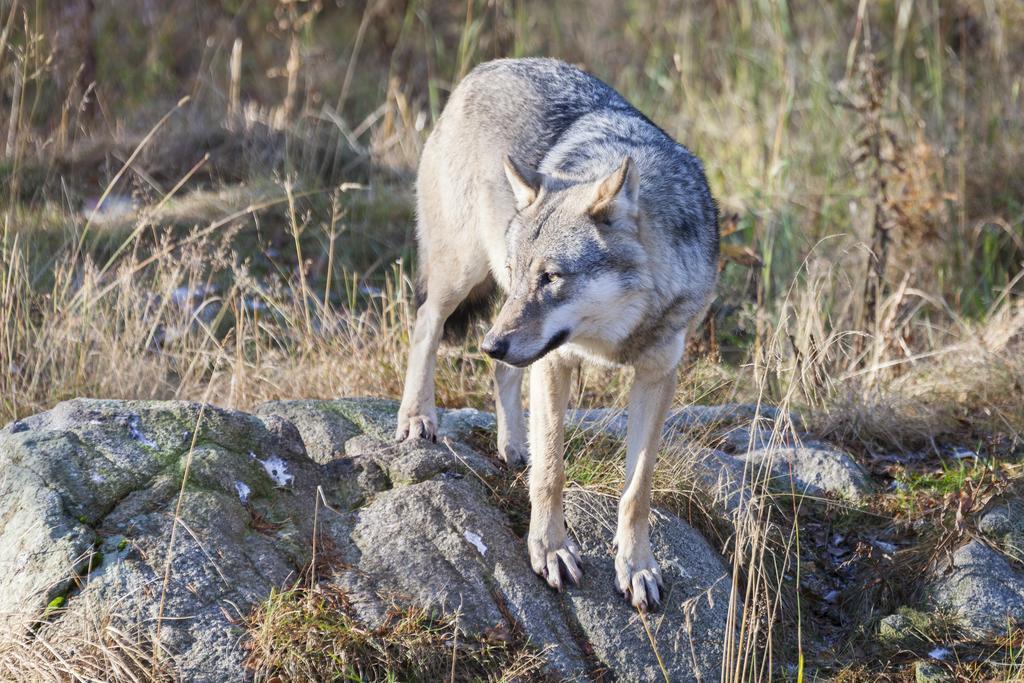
[
  {"x": 508, "y": 393},
  {"x": 636, "y": 573}
]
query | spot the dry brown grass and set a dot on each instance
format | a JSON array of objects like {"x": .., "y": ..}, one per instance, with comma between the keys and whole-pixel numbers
[
  {"x": 308, "y": 634},
  {"x": 102, "y": 648}
]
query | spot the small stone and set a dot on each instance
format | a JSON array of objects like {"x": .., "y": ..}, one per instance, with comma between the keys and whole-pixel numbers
[
  {"x": 980, "y": 589},
  {"x": 416, "y": 461},
  {"x": 901, "y": 629},
  {"x": 930, "y": 672}
]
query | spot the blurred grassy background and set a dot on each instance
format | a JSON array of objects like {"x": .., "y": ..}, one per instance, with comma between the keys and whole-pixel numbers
[{"x": 219, "y": 194}]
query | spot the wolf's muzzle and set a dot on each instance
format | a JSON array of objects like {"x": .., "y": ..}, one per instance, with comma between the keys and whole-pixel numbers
[{"x": 495, "y": 347}]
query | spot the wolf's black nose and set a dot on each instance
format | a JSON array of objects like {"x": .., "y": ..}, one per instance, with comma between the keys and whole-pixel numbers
[{"x": 496, "y": 348}]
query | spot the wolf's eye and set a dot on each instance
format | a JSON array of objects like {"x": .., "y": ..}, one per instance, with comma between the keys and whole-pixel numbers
[{"x": 547, "y": 278}]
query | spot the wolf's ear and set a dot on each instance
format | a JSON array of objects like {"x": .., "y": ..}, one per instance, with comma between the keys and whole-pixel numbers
[
  {"x": 525, "y": 183},
  {"x": 617, "y": 194}
]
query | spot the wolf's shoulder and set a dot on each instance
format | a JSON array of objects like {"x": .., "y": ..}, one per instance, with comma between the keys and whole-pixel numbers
[
  {"x": 550, "y": 79},
  {"x": 535, "y": 68}
]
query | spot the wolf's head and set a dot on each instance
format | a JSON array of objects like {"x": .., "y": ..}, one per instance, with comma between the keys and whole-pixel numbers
[{"x": 574, "y": 270}]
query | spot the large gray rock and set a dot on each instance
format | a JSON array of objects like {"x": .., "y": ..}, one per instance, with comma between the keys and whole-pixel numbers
[
  {"x": 726, "y": 480},
  {"x": 377, "y": 417},
  {"x": 980, "y": 589},
  {"x": 747, "y": 437},
  {"x": 323, "y": 426},
  {"x": 688, "y": 632},
  {"x": 443, "y": 544},
  {"x": 727, "y": 476},
  {"x": 88, "y": 494},
  {"x": 90, "y": 489},
  {"x": 1004, "y": 526},
  {"x": 460, "y": 423},
  {"x": 413, "y": 462},
  {"x": 812, "y": 471},
  {"x": 679, "y": 420}
]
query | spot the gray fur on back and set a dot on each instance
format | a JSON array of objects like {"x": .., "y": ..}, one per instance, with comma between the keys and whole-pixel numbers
[{"x": 566, "y": 122}]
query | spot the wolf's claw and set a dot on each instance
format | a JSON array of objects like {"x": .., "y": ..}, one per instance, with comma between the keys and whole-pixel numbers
[
  {"x": 416, "y": 427},
  {"x": 515, "y": 456},
  {"x": 639, "y": 579},
  {"x": 643, "y": 592},
  {"x": 555, "y": 562}
]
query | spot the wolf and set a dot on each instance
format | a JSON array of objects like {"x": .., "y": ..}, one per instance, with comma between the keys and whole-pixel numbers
[{"x": 541, "y": 180}]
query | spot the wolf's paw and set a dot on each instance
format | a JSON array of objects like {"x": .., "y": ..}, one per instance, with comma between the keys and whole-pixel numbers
[
  {"x": 638, "y": 578},
  {"x": 554, "y": 560},
  {"x": 416, "y": 427},
  {"x": 515, "y": 455}
]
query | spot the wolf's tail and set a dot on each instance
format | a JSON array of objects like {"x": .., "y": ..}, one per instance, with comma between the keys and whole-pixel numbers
[{"x": 476, "y": 306}]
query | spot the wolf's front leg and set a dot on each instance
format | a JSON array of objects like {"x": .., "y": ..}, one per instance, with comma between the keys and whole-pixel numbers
[
  {"x": 417, "y": 416},
  {"x": 551, "y": 550},
  {"x": 636, "y": 573}
]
